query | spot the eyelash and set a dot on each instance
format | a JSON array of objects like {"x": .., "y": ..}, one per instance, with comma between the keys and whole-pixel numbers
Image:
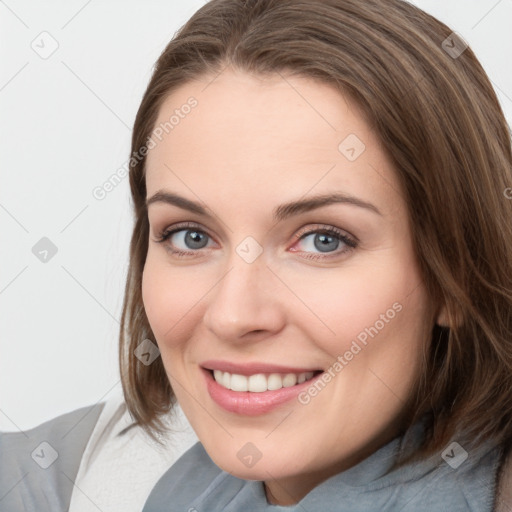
[{"x": 351, "y": 243}]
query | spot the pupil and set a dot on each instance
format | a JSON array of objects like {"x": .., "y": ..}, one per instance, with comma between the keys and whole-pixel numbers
[
  {"x": 324, "y": 242},
  {"x": 193, "y": 239}
]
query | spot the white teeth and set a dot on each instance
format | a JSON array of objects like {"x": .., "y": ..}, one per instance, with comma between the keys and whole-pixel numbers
[
  {"x": 290, "y": 379},
  {"x": 257, "y": 383},
  {"x": 260, "y": 382},
  {"x": 226, "y": 380},
  {"x": 238, "y": 383},
  {"x": 274, "y": 382}
]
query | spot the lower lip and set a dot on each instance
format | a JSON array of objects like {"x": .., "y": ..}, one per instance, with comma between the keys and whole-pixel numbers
[{"x": 249, "y": 403}]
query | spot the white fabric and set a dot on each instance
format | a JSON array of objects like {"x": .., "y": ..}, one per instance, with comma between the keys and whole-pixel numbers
[{"x": 117, "y": 472}]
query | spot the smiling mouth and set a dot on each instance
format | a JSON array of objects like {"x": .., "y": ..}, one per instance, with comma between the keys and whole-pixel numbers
[{"x": 261, "y": 382}]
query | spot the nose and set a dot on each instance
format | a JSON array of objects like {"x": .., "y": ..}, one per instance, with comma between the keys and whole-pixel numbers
[{"x": 246, "y": 304}]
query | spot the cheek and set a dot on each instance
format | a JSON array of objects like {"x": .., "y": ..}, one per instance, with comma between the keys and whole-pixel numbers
[
  {"x": 172, "y": 301},
  {"x": 359, "y": 301},
  {"x": 378, "y": 316}
]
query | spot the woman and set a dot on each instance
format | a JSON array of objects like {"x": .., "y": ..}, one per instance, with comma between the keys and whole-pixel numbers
[
  {"x": 323, "y": 254},
  {"x": 322, "y": 257}
]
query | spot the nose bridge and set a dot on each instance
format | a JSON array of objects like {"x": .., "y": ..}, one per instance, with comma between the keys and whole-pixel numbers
[{"x": 243, "y": 300}]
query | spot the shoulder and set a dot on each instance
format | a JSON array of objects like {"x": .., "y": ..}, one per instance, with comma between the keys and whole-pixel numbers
[
  {"x": 122, "y": 453},
  {"x": 504, "y": 484},
  {"x": 38, "y": 466},
  {"x": 64, "y": 430}
]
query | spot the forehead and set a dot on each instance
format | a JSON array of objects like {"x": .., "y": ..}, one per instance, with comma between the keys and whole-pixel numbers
[{"x": 272, "y": 135}]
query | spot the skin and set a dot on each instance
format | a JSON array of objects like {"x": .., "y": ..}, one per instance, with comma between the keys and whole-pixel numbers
[{"x": 251, "y": 144}]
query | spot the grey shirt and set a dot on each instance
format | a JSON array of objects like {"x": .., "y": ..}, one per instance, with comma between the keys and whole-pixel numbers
[
  {"x": 38, "y": 466},
  {"x": 447, "y": 482}
]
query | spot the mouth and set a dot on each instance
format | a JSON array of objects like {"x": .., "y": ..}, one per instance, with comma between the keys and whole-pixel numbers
[{"x": 254, "y": 389}]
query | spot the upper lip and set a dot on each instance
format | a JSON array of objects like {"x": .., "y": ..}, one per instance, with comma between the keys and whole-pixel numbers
[{"x": 253, "y": 368}]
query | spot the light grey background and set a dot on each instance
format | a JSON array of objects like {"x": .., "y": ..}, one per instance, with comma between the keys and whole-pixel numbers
[{"x": 65, "y": 124}]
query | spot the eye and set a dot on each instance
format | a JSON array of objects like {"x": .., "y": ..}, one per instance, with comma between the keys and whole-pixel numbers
[
  {"x": 184, "y": 240},
  {"x": 187, "y": 239},
  {"x": 327, "y": 240}
]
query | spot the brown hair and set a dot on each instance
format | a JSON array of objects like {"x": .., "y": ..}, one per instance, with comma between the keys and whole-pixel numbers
[{"x": 439, "y": 119}]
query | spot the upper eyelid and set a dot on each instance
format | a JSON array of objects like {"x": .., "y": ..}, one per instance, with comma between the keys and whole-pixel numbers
[
  {"x": 325, "y": 227},
  {"x": 304, "y": 230},
  {"x": 184, "y": 227}
]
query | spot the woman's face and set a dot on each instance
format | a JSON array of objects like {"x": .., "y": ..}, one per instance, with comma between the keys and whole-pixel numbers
[{"x": 265, "y": 282}]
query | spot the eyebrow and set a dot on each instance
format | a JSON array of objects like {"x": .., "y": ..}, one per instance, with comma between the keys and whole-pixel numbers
[{"x": 279, "y": 214}]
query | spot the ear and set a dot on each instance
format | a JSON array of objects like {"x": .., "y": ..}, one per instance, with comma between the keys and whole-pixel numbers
[{"x": 443, "y": 319}]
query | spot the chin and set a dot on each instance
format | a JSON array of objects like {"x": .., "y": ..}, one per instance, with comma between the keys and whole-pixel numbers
[{"x": 245, "y": 461}]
